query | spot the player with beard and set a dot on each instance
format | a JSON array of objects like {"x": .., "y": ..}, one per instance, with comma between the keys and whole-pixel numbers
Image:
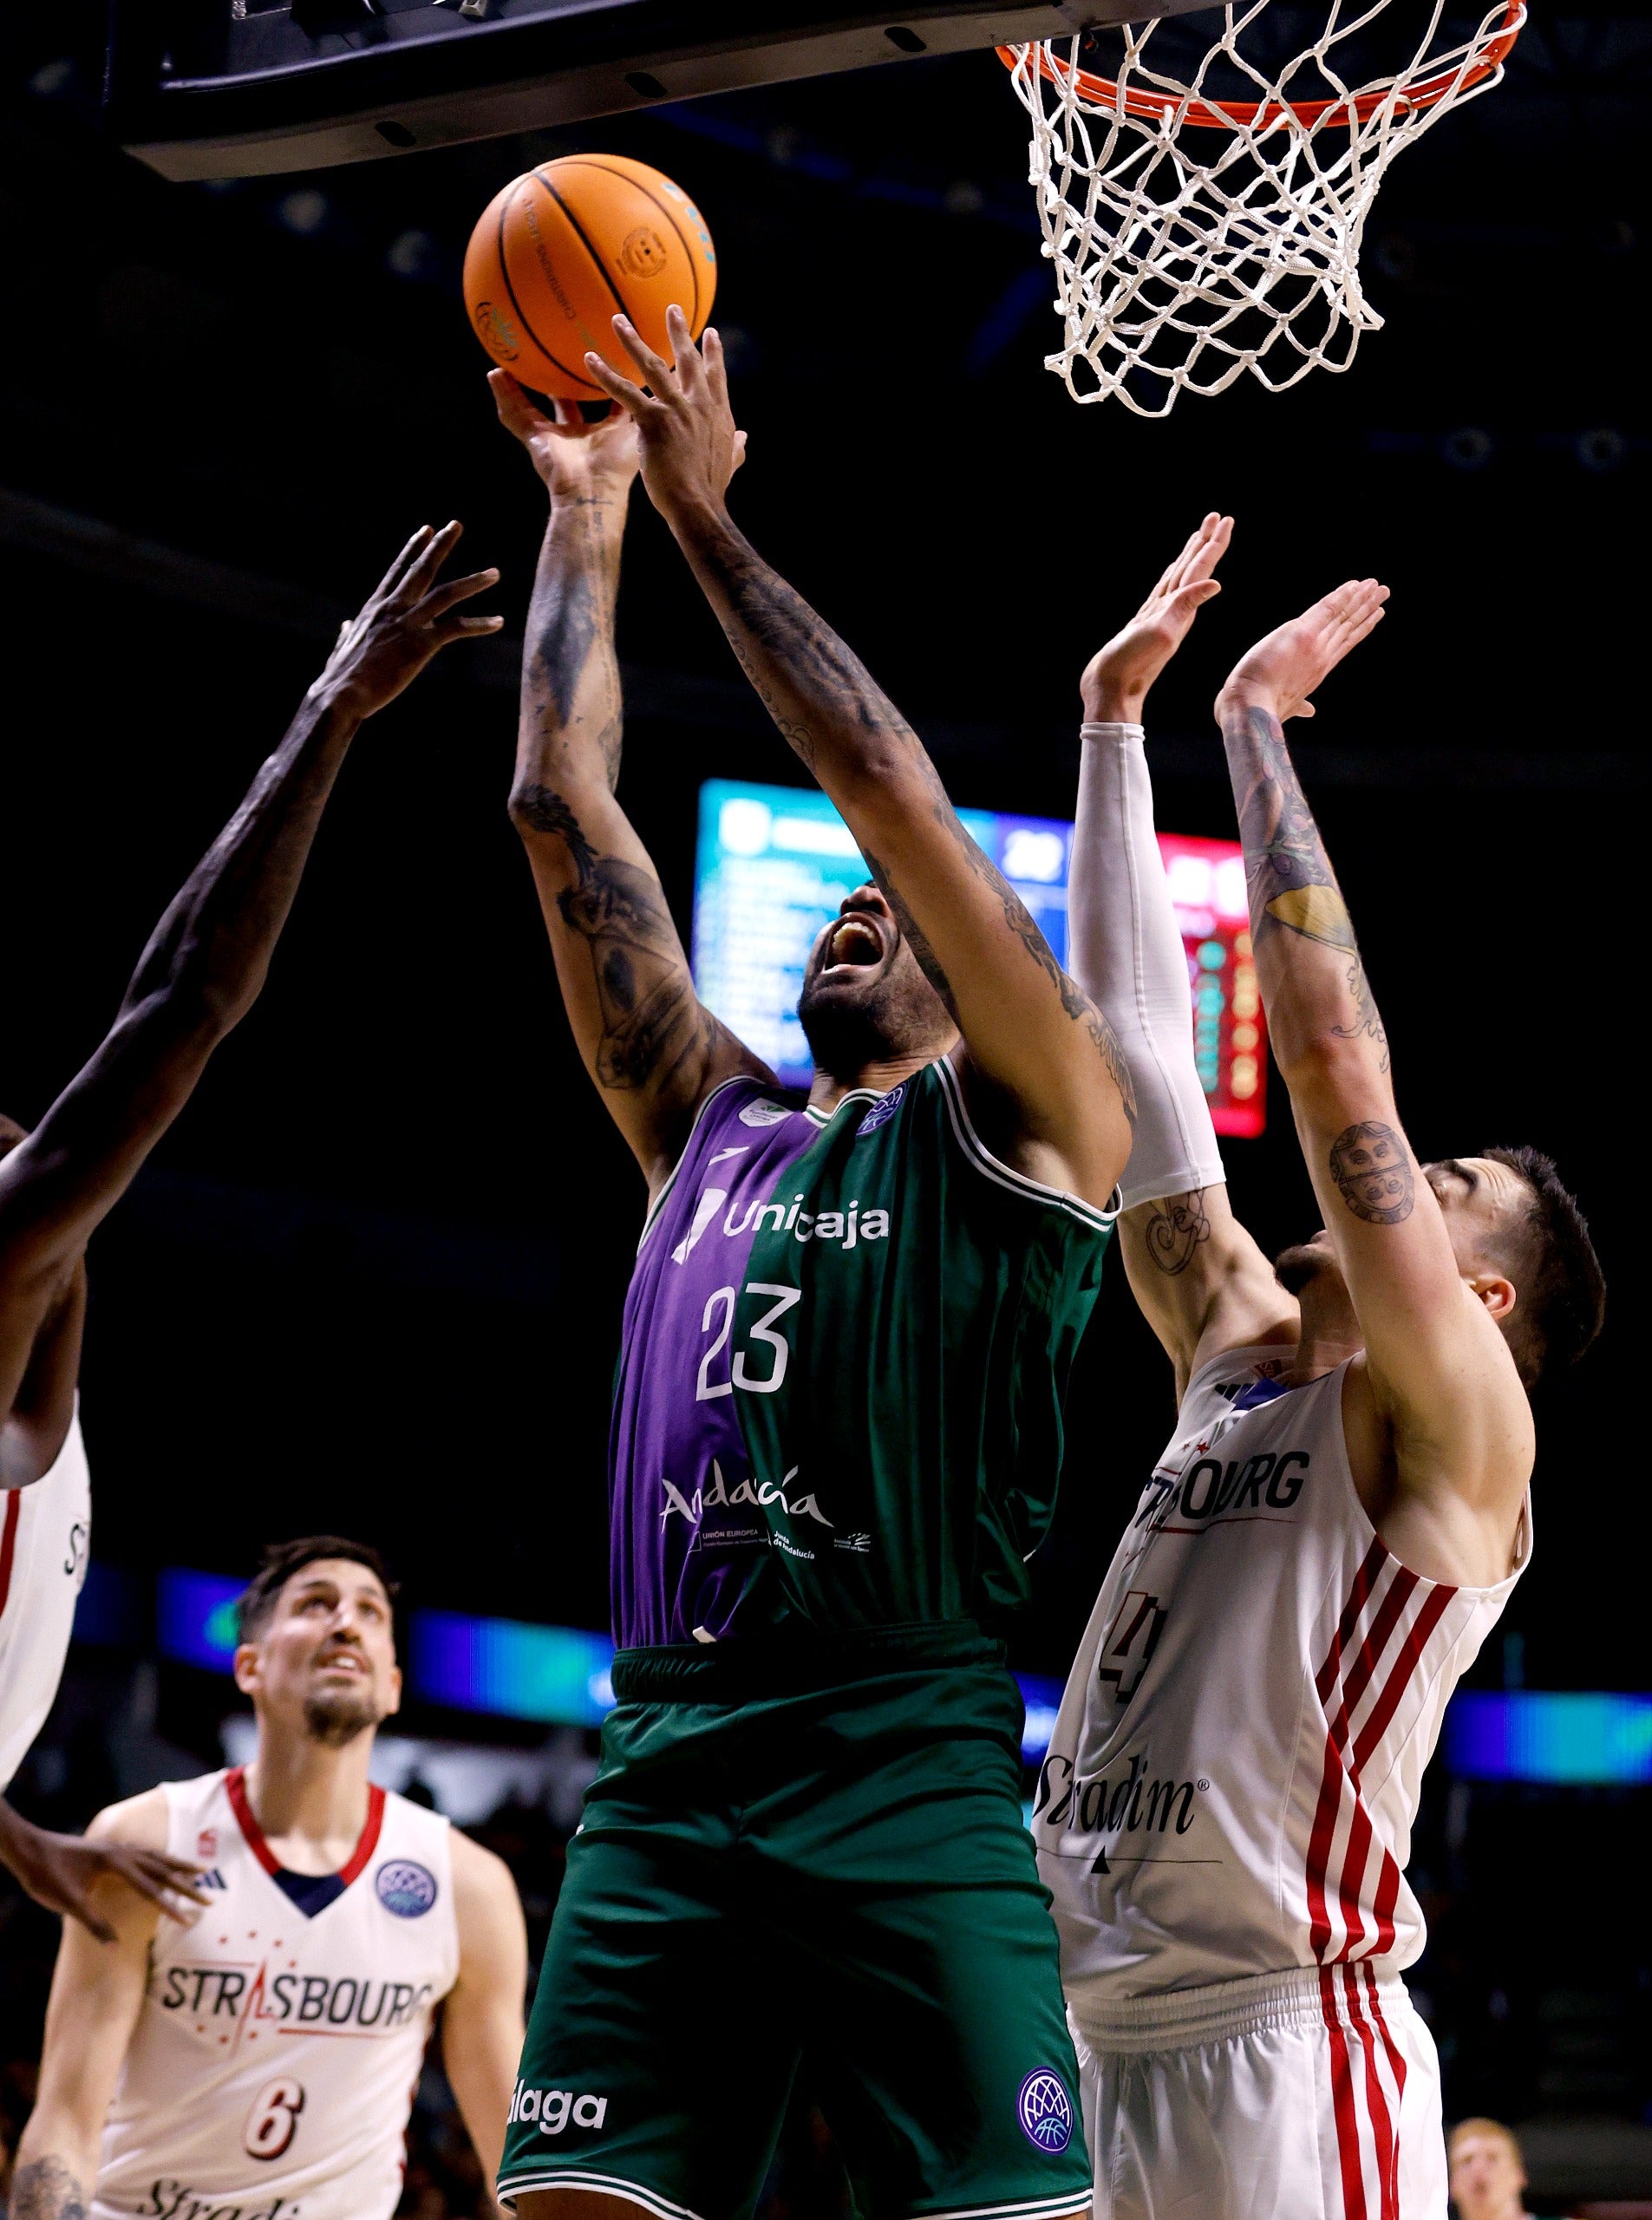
[
  {"x": 835, "y": 1440},
  {"x": 260, "y": 2064},
  {"x": 200, "y": 974},
  {"x": 1225, "y": 1815}
]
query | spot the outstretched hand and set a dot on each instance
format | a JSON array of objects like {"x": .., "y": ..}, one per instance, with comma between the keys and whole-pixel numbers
[
  {"x": 405, "y": 621},
  {"x": 1281, "y": 671},
  {"x": 573, "y": 457},
  {"x": 63, "y": 1871},
  {"x": 685, "y": 427},
  {"x": 1116, "y": 682}
]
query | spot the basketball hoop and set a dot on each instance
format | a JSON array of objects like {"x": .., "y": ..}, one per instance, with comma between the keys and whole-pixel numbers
[{"x": 1183, "y": 259}]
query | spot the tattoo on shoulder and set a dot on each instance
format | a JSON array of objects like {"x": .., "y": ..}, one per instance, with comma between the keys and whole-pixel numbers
[
  {"x": 1371, "y": 1165},
  {"x": 45, "y": 2190},
  {"x": 1176, "y": 1228}
]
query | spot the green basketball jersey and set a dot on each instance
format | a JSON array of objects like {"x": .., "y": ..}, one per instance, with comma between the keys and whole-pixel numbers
[{"x": 846, "y": 1345}]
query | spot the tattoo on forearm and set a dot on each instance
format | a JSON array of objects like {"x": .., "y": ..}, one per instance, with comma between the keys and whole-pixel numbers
[
  {"x": 1175, "y": 1230},
  {"x": 1021, "y": 923},
  {"x": 572, "y": 619},
  {"x": 45, "y": 2190},
  {"x": 652, "y": 1020},
  {"x": 1291, "y": 881},
  {"x": 771, "y": 627},
  {"x": 1371, "y": 1165},
  {"x": 912, "y": 933}
]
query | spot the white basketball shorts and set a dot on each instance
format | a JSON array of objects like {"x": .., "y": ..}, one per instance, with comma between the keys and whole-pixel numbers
[{"x": 1308, "y": 2095}]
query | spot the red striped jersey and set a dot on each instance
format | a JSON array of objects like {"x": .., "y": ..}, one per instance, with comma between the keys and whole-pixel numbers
[{"x": 1236, "y": 1763}]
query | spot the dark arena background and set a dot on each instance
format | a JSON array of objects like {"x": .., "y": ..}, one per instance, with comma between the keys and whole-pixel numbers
[{"x": 372, "y": 1281}]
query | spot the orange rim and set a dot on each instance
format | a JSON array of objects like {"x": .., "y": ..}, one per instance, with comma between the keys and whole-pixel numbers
[{"x": 1222, "y": 116}]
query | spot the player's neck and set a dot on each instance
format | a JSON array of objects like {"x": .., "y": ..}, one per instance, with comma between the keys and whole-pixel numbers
[
  {"x": 1329, "y": 1333},
  {"x": 829, "y": 1088},
  {"x": 309, "y": 1801}
]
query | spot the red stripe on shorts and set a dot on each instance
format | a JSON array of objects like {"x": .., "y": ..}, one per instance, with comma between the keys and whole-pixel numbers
[
  {"x": 1347, "y": 2125},
  {"x": 1377, "y": 2101}
]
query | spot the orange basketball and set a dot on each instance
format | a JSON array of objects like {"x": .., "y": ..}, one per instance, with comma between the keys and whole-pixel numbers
[{"x": 566, "y": 248}]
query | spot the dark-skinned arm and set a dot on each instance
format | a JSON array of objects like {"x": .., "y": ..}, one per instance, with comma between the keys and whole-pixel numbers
[
  {"x": 208, "y": 956},
  {"x": 1439, "y": 1370},
  {"x": 1029, "y": 1032},
  {"x": 650, "y": 1045}
]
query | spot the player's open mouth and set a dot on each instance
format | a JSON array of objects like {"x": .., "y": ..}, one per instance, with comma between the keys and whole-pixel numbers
[
  {"x": 856, "y": 944},
  {"x": 341, "y": 1660}
]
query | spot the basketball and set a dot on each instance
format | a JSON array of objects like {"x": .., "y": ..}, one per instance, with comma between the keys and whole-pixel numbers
[{"x": 566, "y": 247}]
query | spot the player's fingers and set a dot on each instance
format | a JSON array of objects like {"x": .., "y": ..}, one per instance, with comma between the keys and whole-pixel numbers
[
  {"x": 740, "y": 451},
  {"x": 403, "y": 562},
  {"x": 687, "y": 360},
  {"x": 463, "y": 628},
  {"x": 442, "y": 598},
  {"x": 631, "y": 398},
  {"x": 423, "y": 570},
  {"x": 655, "y": 370},
  {"x": 1195, "y": 594},
  {"x": 516, "y": 412},
  {"x": 1212, "y": 547},
  {"x": 716, "y": 367}
]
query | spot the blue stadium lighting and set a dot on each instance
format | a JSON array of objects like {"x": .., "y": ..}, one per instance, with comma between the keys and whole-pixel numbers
[
  {"x": 1558, "y": 1739},
  {"x": 504, "y": 1667},
  {"x": 195, "y": 1617},
  {"x": 1043, "y": 1699}
]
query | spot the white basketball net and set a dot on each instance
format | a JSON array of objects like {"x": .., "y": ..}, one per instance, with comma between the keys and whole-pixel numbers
[{"x": 1187, "y": 253}]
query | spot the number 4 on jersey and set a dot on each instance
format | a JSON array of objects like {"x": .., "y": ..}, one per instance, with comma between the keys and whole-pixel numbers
[
  {"x": 273, "y": 2120},
  {"x": 1130, "y": 1642}
]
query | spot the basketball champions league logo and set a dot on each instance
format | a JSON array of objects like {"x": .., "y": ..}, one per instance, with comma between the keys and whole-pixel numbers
[{"x": 1045, "y": 2111}]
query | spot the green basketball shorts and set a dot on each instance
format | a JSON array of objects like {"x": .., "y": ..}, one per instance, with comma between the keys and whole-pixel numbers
[{"x": 829, "y": 1879}]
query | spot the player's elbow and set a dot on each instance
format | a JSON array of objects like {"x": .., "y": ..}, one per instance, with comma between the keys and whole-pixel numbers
[{"x": 1330, "y": 1070}]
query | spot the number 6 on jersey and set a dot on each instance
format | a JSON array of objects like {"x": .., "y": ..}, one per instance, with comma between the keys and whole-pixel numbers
[{"x": 273, "y": 2120}]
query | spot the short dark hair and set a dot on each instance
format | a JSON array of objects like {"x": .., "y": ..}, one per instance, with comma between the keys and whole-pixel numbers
[
  {"x": 1556, "y": 1274},
  {"x": 282, "y": 1559}
]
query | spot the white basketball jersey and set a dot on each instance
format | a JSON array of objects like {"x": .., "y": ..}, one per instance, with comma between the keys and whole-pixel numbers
[
  {"x": 273, "y": 2065},
  {"x": 1236, "y": 1765},
  {"x": 45, "y": 1534}
]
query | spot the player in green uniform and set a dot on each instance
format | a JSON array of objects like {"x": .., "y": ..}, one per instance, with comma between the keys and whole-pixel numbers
[{"x": 837, "y": 1431}]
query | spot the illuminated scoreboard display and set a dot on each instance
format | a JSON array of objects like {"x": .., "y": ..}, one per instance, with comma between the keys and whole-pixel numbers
[{"x": 774, "y": 862}]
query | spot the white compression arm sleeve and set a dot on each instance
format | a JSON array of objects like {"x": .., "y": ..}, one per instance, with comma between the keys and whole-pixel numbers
[{"x": 1126, "y": 951}]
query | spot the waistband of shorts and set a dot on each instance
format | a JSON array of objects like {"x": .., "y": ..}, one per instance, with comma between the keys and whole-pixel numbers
[
  {"x": 747, "y": 1667},
  {"x": 1350, "y": 1996}
]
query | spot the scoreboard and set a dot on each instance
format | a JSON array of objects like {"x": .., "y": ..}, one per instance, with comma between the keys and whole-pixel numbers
[{"x": 773, "y": 863}]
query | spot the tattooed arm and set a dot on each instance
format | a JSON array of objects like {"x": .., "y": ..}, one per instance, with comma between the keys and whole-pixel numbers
[
  {"x": 653, "y": 1048},
  {"x": 203, "y": 968},
  {"x": 1437, "y": 1421},
  {"x": 1037, "y": 1042},
  {"x": 97, "y": 1993}
]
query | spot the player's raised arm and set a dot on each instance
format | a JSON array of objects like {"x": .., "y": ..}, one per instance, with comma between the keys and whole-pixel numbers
[
  {"x": 1200, "y": 1279},
  {"x": 1029, "y": 1032},
  {"x": 96, "y": 1994},
  {"x": 652, "y": 1047},
  {"x": 207, "y": 958},
  {"x": 1428, "y": 1309}
]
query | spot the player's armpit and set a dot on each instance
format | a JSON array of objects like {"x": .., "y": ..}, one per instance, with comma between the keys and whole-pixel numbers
[
  {"x": 1202, "y": 1285},
  {"x": 482, "y": 2016}
]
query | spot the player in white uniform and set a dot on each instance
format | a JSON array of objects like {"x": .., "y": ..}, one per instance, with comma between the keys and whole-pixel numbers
[
  {"x": 1223, "y": 1818},
  {"x": 198, "y": 977},
  {"x": 261, "y": 2063}
]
